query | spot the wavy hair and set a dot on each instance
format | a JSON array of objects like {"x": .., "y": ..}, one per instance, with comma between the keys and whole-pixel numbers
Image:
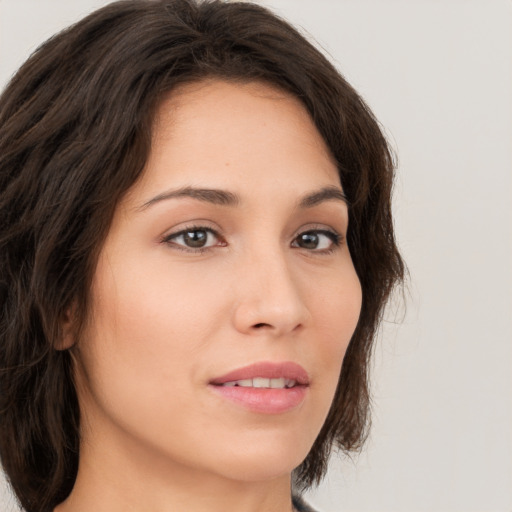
[{"x": 75, "y": 132}]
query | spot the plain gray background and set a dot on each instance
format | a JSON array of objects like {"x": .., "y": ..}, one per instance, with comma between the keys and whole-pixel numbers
[{"x": 438, "y": 75}]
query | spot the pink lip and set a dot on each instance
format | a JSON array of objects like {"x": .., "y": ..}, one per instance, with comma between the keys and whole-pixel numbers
[
  {"x": 264, "y": 400},
  {"x": 267, "y": 370}
]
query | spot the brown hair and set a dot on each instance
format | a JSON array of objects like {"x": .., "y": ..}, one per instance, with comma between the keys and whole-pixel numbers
[{"x": 75, "y": 131}]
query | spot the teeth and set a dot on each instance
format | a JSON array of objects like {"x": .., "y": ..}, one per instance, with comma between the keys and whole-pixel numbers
[
  {"x": 277, "y": 383},
  {"x": 261, "y": 382},
  {"x": 290, "y": 383}
]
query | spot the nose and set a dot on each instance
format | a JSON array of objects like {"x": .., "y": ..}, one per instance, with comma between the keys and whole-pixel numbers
[{"x": 269, "y": 299}]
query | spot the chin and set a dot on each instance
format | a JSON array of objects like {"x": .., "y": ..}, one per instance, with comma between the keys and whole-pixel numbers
[{"x": 264, "y": 459}]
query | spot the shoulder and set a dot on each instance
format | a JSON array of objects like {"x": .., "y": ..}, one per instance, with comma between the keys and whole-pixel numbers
[{"x": 300, "y": 505}]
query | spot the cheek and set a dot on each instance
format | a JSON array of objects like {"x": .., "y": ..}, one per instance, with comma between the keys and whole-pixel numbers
[
  {"x": 336, "y": 316},
  {"x": 140, "y": 354},
  {"x": 154, "y": 305},
  {"x": 142, "y": 335},
  {"x": 337, "y": 306}
]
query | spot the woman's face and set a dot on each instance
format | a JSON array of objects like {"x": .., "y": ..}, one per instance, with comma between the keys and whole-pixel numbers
[{"x": 229, "y": 254}]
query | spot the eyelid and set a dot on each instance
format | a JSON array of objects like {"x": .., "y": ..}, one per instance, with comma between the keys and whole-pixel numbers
[
  {"x": 319, "y": 228},
  {"x": 193, "y": 224}
]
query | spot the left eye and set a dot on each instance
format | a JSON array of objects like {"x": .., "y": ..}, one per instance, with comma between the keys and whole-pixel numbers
[
  {"x": 193, "y": 238},
  {"x": 317, "y": 240}
]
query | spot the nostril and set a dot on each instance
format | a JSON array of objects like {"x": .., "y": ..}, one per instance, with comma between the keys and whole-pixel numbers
[{"x": 258, "y": 326}]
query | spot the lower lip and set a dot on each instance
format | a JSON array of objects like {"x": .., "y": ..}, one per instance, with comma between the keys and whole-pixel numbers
[{"x": 263, "y": 400}]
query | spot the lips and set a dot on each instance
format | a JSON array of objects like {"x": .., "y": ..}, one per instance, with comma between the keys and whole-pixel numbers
[
  {"x": 266, "y": 370},
  {"x": 264, "y": 387}
]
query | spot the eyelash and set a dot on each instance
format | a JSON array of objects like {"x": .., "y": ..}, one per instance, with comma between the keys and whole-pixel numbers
[
  {"x": 168, "y": 239},
  {"x": 336, "y": 239},
  {"x": 333, "y": 236}
]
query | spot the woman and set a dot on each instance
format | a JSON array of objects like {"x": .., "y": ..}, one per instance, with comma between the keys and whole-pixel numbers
[{"x": 196, "y": 247}]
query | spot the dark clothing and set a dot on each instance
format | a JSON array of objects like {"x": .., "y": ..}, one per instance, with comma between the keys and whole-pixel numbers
[{"x": 301, "y": 505}]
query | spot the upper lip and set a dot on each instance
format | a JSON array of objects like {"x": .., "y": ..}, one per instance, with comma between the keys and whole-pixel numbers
[{"x": 268, "y": 370}]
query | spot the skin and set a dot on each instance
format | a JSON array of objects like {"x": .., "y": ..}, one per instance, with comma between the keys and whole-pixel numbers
[{"x": 167, "y": 319}]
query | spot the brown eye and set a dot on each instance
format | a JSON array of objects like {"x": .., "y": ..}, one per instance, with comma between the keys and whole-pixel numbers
[
  {"x": 317, "y": 240},
  {"x": 196, "y": 238},
  {"x": 308, "y": 240},
  {"x": 193, "y": 239}
]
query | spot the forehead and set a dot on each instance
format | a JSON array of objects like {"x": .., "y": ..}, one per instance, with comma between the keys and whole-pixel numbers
[
  {"x": 244, "y": 133},
  {"x": 214, "y": 96}
]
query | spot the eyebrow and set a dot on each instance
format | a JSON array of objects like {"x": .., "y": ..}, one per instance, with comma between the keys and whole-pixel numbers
[
  {"x": 208, "y": 195},
  {"x": 329, "y": 193},
  {"x": 226, "y": 198}
]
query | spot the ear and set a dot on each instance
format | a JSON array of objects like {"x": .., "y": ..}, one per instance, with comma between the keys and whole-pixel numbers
[{"x": 67, "y": 338}]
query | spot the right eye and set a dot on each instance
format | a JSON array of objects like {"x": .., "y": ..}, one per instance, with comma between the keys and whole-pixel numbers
[{"x": 194, "y": 239}]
